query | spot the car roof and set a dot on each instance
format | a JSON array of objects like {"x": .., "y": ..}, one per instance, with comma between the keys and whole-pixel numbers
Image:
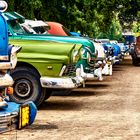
[
  {"x": 35, "y": 23},
  {"x": 56, "y": 28}
]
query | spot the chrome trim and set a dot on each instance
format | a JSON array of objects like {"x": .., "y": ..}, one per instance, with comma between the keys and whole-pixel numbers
[
  {"x": 89, "y": 50},
  {"x": 62, "y": 70},
  {"x": 88, "y": 76},
  {"x": 70, "y": 70},
  {"x": 107, "y": 70},
  {"x": 4, "y": 57},
  {"x": 85, "y": 75},
  {"x": 3, "y": 6},
  {"x": 8, "y": 122},
  {"x": 65, "y": 82},
  {"x": 5, "y": 65},
  {"x": 6, "y": 80},
  {"x": 13, "y": 59}
]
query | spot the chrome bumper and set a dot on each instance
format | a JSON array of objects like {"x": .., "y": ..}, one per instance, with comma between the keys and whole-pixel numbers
[
  {"x": 13, "y": 59},
  {"x": 89, "y": 76},
  {"x": 116, "y": 59},
  {"x": 8, "y": 122},
  {"x": 5, "y": 65},
  {"x": 107, "y": 70},
  {"x": 65, "y": 82}
]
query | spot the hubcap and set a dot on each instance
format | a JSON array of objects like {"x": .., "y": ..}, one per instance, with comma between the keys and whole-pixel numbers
[{"x": 23, "y": 88}]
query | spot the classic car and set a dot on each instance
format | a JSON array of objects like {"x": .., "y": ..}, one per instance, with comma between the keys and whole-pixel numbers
[
  {"x": 76, "y": 34},
  {"x": 103, "y": 59},
  {"x": 123, "y": 47},
  {"x": 51, "y": 62},
  {"x": 113, "y": 51},
  {"x": 59, "y": 30},
  {"x": 12, "y": 115}
]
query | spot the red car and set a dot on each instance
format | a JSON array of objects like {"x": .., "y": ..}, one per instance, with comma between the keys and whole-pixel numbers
[{"x": 58, "y": 29}]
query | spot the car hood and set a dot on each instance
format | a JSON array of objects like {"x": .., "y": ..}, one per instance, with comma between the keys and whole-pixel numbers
[
  {"x": 50, "y": 50},
  {"x": 75, "y": 40}
]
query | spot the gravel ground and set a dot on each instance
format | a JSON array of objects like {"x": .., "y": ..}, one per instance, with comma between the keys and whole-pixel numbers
[{"x": 107, "y": 110}]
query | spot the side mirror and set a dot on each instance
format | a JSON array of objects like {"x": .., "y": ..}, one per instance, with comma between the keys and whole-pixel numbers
[{"x": 3, "y": 6}]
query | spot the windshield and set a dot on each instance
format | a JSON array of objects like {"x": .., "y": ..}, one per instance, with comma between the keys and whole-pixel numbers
[
  {"x": 16, "y": 28},
  {"x": 40, "y": 30}
]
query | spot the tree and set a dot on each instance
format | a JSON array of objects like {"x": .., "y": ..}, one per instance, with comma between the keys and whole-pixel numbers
[{"x": 91, "y": 17}]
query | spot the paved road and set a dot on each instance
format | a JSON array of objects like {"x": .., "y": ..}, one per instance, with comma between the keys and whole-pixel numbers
[{"x": 108, "y": 110}]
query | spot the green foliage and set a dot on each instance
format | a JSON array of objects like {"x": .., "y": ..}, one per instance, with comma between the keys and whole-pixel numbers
[
  {"x": 25, "y": 7},
  {"x": 92, "y": 17},
  {"x": 115, "y": 30},
  {"x": 136, "y": 28}
]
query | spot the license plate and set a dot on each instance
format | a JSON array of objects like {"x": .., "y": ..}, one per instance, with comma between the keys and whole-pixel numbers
[{"x": 24, "y": 116}]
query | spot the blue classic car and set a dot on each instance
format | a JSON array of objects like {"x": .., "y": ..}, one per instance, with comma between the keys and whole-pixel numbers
[
  {"x": 12, "y": 115},
  {"x": 112, "y": 50}
]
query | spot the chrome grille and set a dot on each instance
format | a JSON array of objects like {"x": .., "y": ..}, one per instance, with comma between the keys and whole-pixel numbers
[
  {"x": 70, "y": 70},
  {"x": 8, "y": 123}
]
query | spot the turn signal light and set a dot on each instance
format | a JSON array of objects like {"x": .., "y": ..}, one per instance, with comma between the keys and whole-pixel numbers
[{"x": 10, "y": 90}]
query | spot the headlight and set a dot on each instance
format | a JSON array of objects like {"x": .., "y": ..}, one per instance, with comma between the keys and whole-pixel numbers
[
  {"x": 86, "y": 55},
  {"x": 90, "y": 60}
]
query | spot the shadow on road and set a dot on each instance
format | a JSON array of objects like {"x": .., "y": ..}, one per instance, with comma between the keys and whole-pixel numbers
[
  {"x": 118, "y": 69},
  {"x": 59, "y": 104},
  {"x": 96, "y": 85},
  {"x": 87, "y": 93},
  {"x": 42, "y": 126}
]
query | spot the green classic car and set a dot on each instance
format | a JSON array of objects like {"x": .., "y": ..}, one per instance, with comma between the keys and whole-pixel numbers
[{"x": 51, "y": 62}]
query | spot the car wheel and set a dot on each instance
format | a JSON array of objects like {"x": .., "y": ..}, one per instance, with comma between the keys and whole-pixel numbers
[{"x": 27, "y": 86}]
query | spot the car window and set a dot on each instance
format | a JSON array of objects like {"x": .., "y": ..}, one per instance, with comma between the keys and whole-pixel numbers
[{"x": 16, "y": 27}]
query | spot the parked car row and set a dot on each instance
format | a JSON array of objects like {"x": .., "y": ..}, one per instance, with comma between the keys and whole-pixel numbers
[
  {"x": 49, "y": 62},
  {"x": 51, "y": 59}
]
